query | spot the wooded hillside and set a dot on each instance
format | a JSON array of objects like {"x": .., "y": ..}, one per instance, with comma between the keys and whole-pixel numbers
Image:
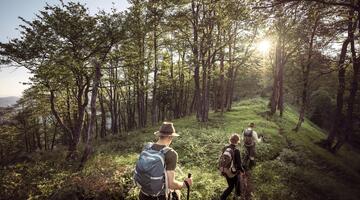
[{"x": 106, "y": 76}]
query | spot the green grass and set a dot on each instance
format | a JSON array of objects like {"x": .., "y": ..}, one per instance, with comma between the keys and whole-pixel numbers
[{"x": 290, "y": 165}]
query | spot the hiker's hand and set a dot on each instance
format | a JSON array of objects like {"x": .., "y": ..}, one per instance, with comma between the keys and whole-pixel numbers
[{"x": 189, "y": 181}]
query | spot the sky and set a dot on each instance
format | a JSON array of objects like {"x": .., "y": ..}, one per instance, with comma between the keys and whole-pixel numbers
[{"x": 12, "y": 79}]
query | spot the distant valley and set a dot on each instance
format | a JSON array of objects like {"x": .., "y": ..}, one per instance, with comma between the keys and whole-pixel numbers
[{"x": 8, "y": 101}]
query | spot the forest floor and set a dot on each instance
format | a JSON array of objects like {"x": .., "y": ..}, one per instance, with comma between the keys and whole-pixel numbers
[{"x": 290, "y": 165}]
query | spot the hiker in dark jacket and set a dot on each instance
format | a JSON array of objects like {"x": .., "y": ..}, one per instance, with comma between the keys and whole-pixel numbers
[
  {"x": 233, "y": 175},
  {"x": 166, "y": 135}
]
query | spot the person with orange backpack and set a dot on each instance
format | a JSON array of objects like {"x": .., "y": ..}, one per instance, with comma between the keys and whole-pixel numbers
[{"x": 230, "y": 167}]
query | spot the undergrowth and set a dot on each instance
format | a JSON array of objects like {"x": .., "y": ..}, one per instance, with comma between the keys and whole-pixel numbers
[{"x": 290, "y": 165}]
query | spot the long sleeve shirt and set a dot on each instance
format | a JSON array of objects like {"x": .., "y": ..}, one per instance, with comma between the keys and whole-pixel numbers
[{"x": 255, "y": 137}]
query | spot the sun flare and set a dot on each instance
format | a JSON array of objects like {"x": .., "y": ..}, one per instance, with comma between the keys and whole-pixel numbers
[{"x": 264, "y": 46}]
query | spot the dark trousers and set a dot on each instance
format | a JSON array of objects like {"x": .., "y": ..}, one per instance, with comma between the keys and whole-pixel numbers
[
  {"x": 232, "y": 182},
  {"x": 249, "y": 160},
  {"x": 143, "y": 196}
]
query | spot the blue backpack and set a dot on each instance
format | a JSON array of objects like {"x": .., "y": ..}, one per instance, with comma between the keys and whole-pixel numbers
[{"x": 150, "y": 172}]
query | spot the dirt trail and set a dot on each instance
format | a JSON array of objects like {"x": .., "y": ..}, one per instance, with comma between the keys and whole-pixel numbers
[{"x": 247, "y": 186}]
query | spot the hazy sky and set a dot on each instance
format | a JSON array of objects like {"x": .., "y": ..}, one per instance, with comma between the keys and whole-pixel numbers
[{"x": 10, "y": 78}]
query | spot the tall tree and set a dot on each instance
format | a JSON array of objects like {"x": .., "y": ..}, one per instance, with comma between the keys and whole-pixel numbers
[{"x": 56, "y": 47}]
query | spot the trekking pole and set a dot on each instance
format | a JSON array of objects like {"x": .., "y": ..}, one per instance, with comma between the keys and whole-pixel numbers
[{"x": 188, "y": 187}]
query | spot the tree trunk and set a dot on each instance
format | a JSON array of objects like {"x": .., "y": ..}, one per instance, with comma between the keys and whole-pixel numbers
[
  {"x": 281, "y": 89},
  {"x": 118, "y": 111},
  {"x": 88, "y": 146},
  {"x": 174, "y": 102},
  {"x": 115, "y": 103},
  {"x": 222, "y": 82},
  {"x": 45, "y": 133},
  {"x": 54, "y": 136},
  {"x": 26, "y": 139},
  {"x": 195, "y": 50},
  {"x": 103, "y": 116},
  {"x": 154, "y": 105},
  {"x": 338, "y": 121},
  {"x": 349, "y": 123},
  {"x": 38, "y": 138},
  {"x": 233, "y": 71},
  {"x": 33, "y": 145},
  {"x": 274, "y": 100},
  {"x": 230, "y": 74},
  {"x": 305, "y": 75}
]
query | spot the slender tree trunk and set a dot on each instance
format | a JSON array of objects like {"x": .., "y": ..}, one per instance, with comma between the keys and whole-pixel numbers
[
  {"x": 204, "y": 84},
  {"x": 140, "y": 87},
  {"x": 85, "y": 127},
  {"x": 45, "y": 133},
  {"x": 275, "y": 90},
  {"x": 222, "y": 82},
  {"x": 88, "y": 146},
  {"x": 103, "y": 116},
  {"x": 111, "y": 101},
  {"x": 281, "y": 81},
  {"x": 230, "y": 74},
  {"x": 119, "y": 112},
  {"x": 155, "y": 106},
  {"x": 195, "y": 49},
  {"x": 233, "y": 70},
  {"x": 305, "y": 75},
  {"x": 26, "y": 139},
  {"x": 33, "y": 145},
  {"x": 338, "y": 120},
  {"x": 348, "y": 129},
  {"x": 82, "y": 101},
  {"x": 54, "y": 136},
  {"x": 38, "y": 138},
  {"x": 115, "y": 102},
  {"x": 174, "y": 113},
  {"x": 123, "y": 112}
]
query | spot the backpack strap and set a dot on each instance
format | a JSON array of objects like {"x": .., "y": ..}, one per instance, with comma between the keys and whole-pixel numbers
[
  {"x": 165, "y": 149},
  {"x": 233, "y": 148},
  {"x": 148, "y": 146}
]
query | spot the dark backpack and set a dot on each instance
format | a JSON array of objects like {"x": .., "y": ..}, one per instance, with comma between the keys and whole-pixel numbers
[
  {"x": 226, "y": 162},
  {"x": 150, "y": 171},
  {"x": 248, "y": 137}
]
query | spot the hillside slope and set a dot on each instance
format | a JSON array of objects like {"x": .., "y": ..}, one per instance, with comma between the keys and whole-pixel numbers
[{"x": 290, "y": 165}]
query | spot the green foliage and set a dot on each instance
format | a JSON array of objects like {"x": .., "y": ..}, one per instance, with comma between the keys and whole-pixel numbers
[{"x": 290, "y": 165}]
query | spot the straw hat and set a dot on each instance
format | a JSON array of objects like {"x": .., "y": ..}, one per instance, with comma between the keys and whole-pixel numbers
[{"x": 166, "y": 129}]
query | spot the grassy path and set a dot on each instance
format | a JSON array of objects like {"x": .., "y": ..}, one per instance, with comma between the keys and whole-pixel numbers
[{"x": 289, "y": 164}]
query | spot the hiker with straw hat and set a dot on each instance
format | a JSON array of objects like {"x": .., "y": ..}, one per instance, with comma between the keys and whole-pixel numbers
[{"x": 155, "y": 169}]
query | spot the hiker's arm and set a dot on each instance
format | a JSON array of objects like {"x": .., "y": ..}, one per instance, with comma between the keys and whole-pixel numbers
[
  {"x": 237, "y": 161},
  {"x": 255, "y": 136},
  {"x": 174, "y": 184}
]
